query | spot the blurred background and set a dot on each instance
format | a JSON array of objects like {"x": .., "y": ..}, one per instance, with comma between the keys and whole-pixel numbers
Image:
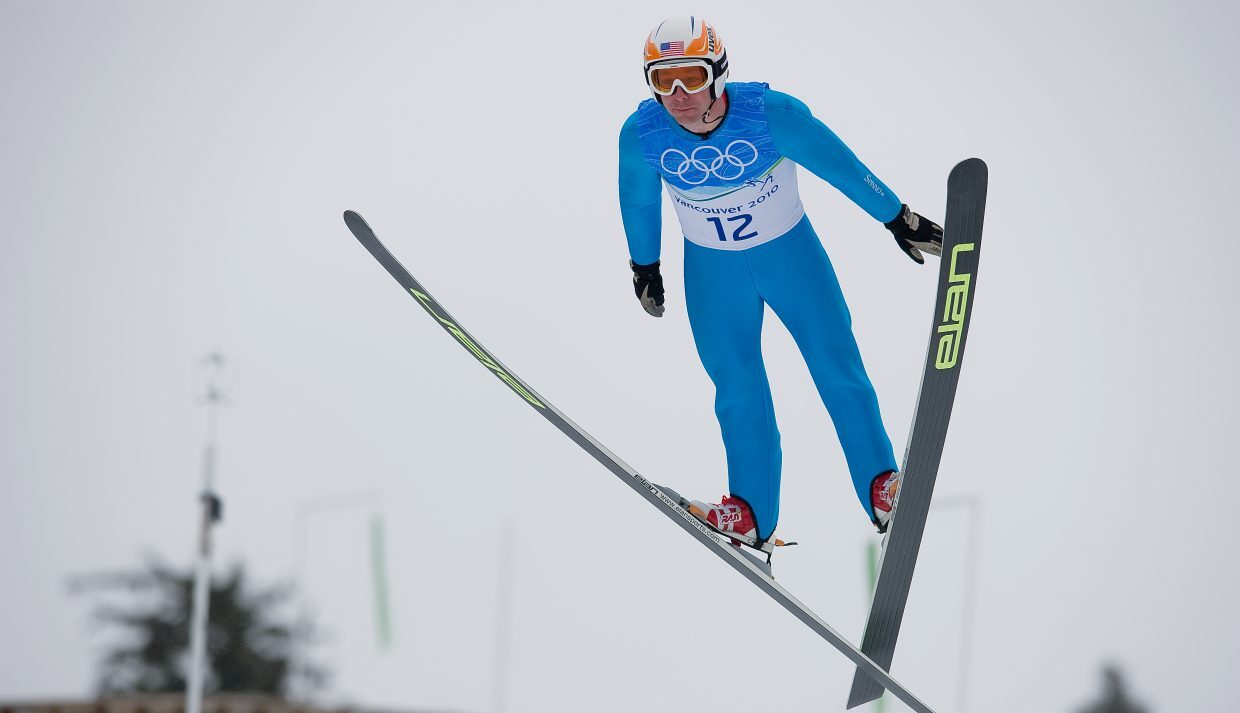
[{"x": 400, "y": 534}]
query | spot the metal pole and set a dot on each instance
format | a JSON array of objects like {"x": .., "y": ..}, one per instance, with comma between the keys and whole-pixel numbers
[
  {"x": 873, "y": 554},
  {"x": 503, "y": 620},
  {"x": 968, "y": 606},
  {"x": 211, "y": 512},
  {"x": 969, "y": 601},
  {"x": 301, "y": 530}
]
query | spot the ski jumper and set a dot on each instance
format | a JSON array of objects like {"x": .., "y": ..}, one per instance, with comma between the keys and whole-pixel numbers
[{"x": 748, "y": 243}]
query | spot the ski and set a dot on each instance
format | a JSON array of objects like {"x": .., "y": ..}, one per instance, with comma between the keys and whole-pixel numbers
[
  {"x": 962, "y": 242},
  {"x": 667, "y": 501}
]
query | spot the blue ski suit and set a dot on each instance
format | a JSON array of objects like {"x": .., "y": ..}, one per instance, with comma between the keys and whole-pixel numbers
[{"x": 748, "y": 244}]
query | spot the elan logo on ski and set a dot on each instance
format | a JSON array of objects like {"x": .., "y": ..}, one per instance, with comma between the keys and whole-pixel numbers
[{"x": 954, "y": 312}]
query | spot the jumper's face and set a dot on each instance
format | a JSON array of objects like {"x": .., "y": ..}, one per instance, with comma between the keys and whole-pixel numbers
[{"x": 685, "y": 108}]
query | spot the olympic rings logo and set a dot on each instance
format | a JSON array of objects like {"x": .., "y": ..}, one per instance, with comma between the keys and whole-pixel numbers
[{"x": 695, "y": 168}]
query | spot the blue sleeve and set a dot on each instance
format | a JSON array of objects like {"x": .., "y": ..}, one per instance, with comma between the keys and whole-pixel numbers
[
  {"x": 640, "y": 197},
  {"x": 808, "y": 142}
]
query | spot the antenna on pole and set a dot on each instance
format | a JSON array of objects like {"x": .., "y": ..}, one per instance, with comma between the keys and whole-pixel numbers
[{"x": 212, "y": 512}]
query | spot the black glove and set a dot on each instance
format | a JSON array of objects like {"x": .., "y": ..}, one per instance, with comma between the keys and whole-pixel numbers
[
  {"x": 914, "y": 234},
  {"x": 648, "y": 284}
]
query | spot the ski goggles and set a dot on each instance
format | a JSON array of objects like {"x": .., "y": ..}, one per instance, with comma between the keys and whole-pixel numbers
[{"x": 692, "y": 76}]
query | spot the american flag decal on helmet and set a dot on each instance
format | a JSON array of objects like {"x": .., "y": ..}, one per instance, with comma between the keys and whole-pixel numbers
[{"x": 671, "y": 48}]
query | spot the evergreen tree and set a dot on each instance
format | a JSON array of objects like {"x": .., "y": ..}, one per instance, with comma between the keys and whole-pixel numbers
[{"x": 250, "y": 648}]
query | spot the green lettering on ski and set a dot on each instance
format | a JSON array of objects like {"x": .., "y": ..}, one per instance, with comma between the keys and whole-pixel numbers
[
  {"x": 957, "y": 302},
  {"x": 476, "y": 350}
]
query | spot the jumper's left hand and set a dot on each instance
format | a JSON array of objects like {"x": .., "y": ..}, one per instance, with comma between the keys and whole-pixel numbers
[{"x": 915, "y": 234}]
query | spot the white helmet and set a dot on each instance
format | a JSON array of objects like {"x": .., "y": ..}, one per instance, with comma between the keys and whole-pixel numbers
[{"x": 685, "y": 52}]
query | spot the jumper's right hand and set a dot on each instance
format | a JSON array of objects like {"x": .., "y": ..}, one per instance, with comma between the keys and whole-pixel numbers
[{"x": 648, "y": 284}]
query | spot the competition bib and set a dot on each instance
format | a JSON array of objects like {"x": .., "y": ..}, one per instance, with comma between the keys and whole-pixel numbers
[{"x": 733, "y": 190}]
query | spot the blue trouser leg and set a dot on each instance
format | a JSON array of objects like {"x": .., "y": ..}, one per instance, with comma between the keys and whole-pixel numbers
[
  {"x": 795, "y": 277},
  {"x": 725, "y": 313},
  {"x": 725, "y": 292}
]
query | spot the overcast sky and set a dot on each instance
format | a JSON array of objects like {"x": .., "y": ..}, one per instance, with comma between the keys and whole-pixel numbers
[{"x": 172, "y": 179}]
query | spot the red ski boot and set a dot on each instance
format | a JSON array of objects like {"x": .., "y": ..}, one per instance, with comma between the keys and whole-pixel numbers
[
  {"x": 884, "y": 492},
  {"x": 732, "y": 516}
]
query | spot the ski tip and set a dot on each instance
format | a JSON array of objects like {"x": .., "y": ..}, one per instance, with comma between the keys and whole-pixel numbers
[
  {"x": 357, "y": 225},
  {"x": 970, "y": 165}
]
